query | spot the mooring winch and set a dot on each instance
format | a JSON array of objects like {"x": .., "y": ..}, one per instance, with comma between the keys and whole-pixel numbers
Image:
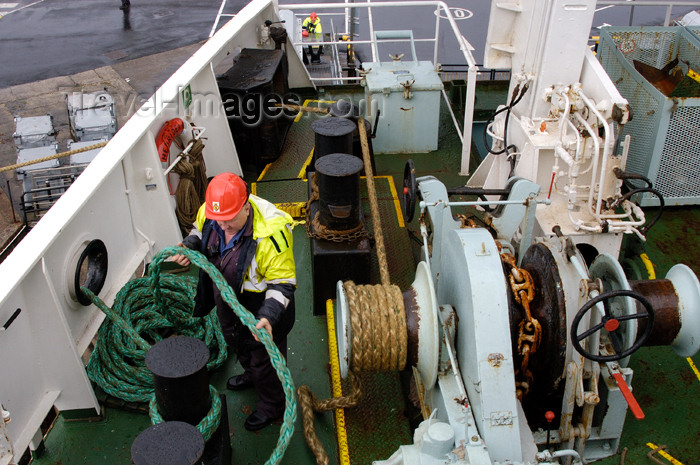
[{"x": 519, "y": 359}]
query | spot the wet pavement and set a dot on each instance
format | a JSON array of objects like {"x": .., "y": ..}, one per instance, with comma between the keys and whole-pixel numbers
[{"x": 56, "y": 37}]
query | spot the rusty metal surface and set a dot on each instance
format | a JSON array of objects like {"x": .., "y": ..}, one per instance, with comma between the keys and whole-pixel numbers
[
  {"x": 548, "y": 363},
  {"x": 667, "y": 323}
]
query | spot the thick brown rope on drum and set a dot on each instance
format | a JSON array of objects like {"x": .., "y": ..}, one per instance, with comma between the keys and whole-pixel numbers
[
  {"x": 309, "y": 404},
  {"x": 378, "y": 322}
]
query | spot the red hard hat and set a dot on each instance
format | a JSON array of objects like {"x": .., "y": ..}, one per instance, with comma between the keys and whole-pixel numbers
[
  {"x": 226, "y": 195},
  {"x": 313, "y": 16}
]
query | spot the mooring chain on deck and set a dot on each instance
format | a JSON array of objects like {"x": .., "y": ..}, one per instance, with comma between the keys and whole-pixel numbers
[{"x": 315, "y": 229}]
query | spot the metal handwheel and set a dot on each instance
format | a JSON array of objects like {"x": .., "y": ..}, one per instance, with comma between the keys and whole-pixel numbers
[{"x": 611, "y": 323}]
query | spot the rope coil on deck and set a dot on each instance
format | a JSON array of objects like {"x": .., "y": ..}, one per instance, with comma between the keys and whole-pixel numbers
[
  {"x": 136, "y": 322},
  {"x": 161, "y": 295}
]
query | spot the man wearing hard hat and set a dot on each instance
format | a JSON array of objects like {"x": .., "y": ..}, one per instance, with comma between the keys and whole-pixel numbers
[
  {"x": 250, "y": 241},
  {"x": 311, "y": 31}
]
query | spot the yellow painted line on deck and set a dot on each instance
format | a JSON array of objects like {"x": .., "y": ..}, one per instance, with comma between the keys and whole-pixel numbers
[
  {"x": 264, "y": 172},
  {"x": 663, "y": 454},
  {"x": 397, "y": 204},
  {"x": 343, "y": 450},
  {"x": 395, "y": 196},
  {"x": 648, "y": 265},
  {"x": 306, "y": 104},
  {"x": 305, "y": 166},
  {"x": 694, "y": 368},
  {"x": 254, "y": 188}
]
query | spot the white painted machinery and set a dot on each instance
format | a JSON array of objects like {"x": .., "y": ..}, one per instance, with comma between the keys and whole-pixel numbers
[
  {"x": 561, "y": 125},
  {"x": 524, "y": 358},
  {"x": 522, "y": 330}
]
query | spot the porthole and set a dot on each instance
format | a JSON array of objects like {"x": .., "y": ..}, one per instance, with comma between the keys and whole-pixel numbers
[{"x": 91, "y": 270}]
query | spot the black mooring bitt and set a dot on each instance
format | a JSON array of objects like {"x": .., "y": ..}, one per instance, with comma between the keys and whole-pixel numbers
[
  {"x": 338, "y": 178},
  {"x": 179, "y": 367},
  {"x": 169, "y": 443},
  {"x": 332, "y": 135}
]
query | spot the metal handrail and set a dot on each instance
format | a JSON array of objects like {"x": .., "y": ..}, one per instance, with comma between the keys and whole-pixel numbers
[{"x": 634, "y": 3}]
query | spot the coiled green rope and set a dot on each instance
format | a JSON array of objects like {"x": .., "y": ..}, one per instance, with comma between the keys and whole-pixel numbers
[
  {"x": 138, "y": 321},
  {"x": 207, "y": 426},
  {"x": 162, "y": 293}
]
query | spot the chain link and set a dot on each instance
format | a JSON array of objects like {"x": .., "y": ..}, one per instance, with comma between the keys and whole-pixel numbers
[
  {"x": 316, "y": 230},
  {"x": 529, "y": 329}
]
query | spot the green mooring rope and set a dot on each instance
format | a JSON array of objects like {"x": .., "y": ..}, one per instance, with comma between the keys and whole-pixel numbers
[
  {"x": 206, "y": 426},
  {"x": 136, "y": 322},
  {"x": 145, "y": 310}
]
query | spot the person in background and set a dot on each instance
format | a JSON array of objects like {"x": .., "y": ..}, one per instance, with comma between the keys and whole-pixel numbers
[
  {"x": 126, "y": 4},
  {"x": 311, "y": 31},
  {"x": 250, "y": 241}
]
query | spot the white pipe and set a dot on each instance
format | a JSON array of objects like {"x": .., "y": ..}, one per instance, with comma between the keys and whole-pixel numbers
[
  {"x": 540, "y": 55},
  {"x": 564, "y": 154},
  {"x": 565, "y": 116},
  {"x": 424, "y": 204},
  {"x": 574, "y": 169},
  {"x": 607, "y": 146},
  {"x": 437, "y": 34},
  {"x": 218, "y": 17},
  {"x": 594, "y": 162},
  {"x": 370, "y": 20},
  {"x": 567, "y": 453}
]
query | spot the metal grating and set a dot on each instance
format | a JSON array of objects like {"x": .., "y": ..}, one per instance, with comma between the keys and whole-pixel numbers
[
  {"x": 679, "y": 168},
  {"x": 664, "y": 130}
]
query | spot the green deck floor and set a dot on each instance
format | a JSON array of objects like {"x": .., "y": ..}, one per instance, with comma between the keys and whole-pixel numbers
[{"x": 665, "y": 385}]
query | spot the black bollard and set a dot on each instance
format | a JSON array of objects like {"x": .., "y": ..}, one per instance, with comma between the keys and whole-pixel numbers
[
  {"x": 180, "y": 378},
  {"x": 332, "y": 135},
  {"x": 169, "y": 443},
  {"x": 346, "y": 109},
  {"x": 338, "y": 178}
]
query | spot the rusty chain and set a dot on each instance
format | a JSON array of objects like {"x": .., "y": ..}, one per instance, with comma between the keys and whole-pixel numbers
[{"x": 529, "y": 329}]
